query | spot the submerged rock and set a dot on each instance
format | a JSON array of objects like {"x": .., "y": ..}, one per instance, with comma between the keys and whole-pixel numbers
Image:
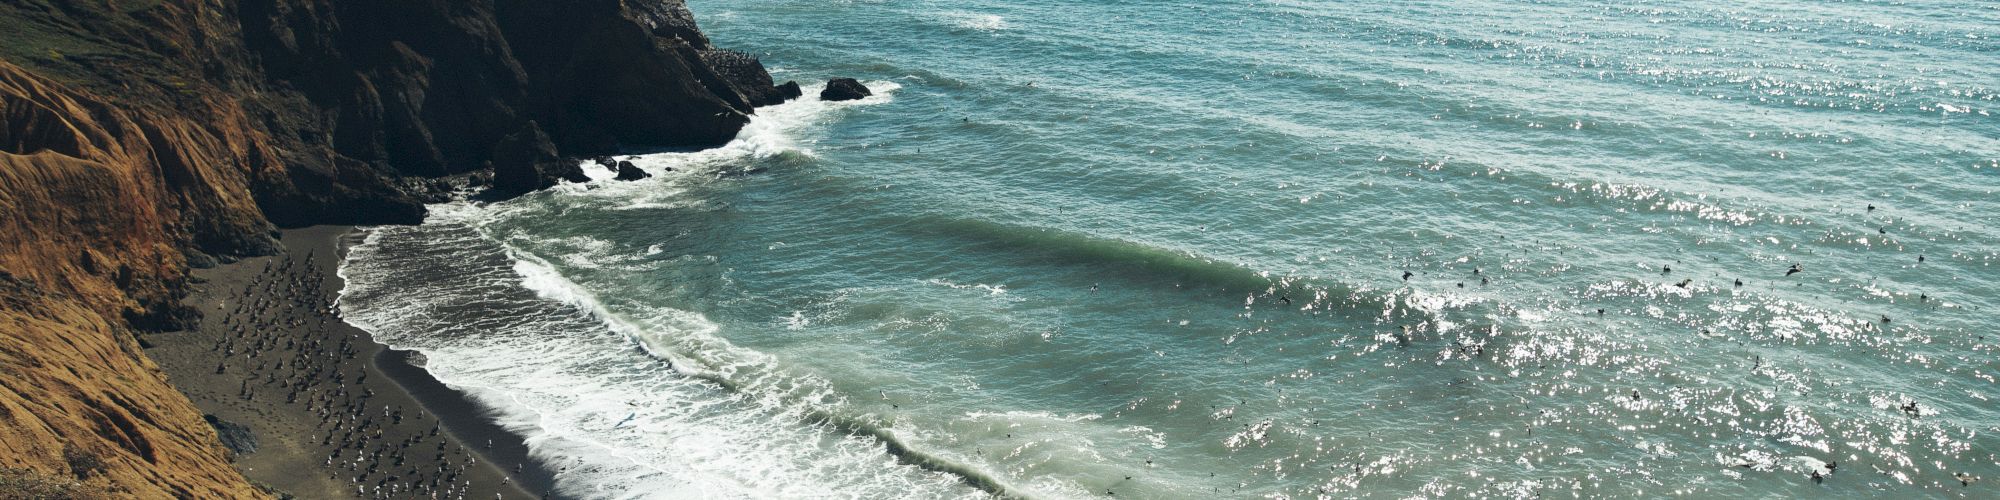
[
  {"x": 629, "y": 172},
  {"x": 844, "y": 89}
]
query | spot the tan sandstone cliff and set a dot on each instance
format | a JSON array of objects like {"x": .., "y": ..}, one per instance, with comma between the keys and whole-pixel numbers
[{"x": 93, "y": 197}]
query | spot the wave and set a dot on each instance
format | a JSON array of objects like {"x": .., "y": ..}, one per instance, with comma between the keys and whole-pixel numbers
[
  {"x": 690, "y": 347},
  {"x": 560, "y": 365},
  {"x": 1151, "y": 264},
  {"x": 507, "y": 327},
  {"x": 1136, "y": 261}
]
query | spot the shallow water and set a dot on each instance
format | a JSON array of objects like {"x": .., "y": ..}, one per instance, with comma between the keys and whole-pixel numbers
[{"x": 1158, "y": 249}]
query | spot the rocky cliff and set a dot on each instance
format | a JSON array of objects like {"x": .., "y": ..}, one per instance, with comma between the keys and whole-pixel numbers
[{"x": 141, "y": 137}]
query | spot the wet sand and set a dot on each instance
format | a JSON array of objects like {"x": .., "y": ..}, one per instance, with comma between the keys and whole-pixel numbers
[{"x": 333, "y": 414}]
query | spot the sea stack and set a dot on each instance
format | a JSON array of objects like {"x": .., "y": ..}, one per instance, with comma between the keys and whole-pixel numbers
[{"x": 844, "y": 89}]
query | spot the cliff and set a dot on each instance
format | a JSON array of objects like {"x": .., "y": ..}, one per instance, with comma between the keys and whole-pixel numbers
[{"x": 140, "y": 137}]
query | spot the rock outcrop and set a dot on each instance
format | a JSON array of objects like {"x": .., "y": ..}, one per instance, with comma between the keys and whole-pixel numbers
[
  {"x": 238, "y": 438},
  {"x": 844, "y": 89},
  {"x": 138, "y": 138},
  {"x": 791, "y": 90},
  {"x": 526, "y": 161},
  {"x": 629, "y": 172}
]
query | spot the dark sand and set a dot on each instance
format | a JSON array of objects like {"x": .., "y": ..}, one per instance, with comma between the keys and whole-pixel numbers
[{"x": 334, "y": 414}]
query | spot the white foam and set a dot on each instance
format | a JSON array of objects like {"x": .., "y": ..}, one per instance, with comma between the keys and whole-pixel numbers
[
  {"x": 971, "y": 20},
  {"x": 558, "y": 365},
  {"x": 564, "y": 380},
  {"x": 771, "y": 132},
  {"x": 1032, "y": 415},
  {"x": 989, "y": 289}
]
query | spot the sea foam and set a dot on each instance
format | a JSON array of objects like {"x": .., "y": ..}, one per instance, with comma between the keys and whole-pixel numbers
[{"x": 625, "y": 400}]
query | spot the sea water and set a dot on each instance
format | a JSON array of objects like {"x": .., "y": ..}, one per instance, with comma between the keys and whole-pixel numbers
[{"x": 1271, "y": 249}]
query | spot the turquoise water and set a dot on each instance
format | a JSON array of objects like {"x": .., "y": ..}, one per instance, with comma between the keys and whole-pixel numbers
[{"x": 1157, "y": 250}]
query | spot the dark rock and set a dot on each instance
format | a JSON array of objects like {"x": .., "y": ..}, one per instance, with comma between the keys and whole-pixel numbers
[
  {"x": 425, "y": 94},
  {"x": 236, "y": 437},
  {"x": 746, "y": 76},
  {"x": 635, "y": 76},
  {"x": 431, "y": 93},
  {"x": 198, "y": 260},
  {"x": 334, "y": 190},
  {"x": 791, "y": 90},
  {"x": 434, "y": 190},
  {"x": 160, "y": 316},
  {"x": 629, "y": 172},
  {"x": 526, "y": 161},
  {"x": 844, "y": 89},
  {"x": 88, "y": 262}
]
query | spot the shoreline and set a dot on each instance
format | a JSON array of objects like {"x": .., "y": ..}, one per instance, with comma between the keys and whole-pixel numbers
[{"x": 329, "y": 412}]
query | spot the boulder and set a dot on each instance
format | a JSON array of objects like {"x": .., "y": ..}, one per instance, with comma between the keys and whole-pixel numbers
[
  {"x": 745, "y": 76},
  {"x": 791, "y": 90},
  {"x": 844, "y": 89},
  {"x": 526, "y": 161},
  {"x": 234, "y": 436},
  {"x": 629, "y": 172}
]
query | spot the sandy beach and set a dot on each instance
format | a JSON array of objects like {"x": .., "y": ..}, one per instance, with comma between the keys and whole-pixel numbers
[{"x": 314, "y": 407}]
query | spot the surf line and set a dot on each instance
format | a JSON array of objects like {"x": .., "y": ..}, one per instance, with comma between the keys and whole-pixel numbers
[
  {"x": 845, "y": 424},
  {"x": 892, "y": 446},
  {"x": 903, "y": 453}
]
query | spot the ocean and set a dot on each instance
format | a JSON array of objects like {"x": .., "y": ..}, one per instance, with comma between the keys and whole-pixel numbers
[{"x": 1271, "y": 249}]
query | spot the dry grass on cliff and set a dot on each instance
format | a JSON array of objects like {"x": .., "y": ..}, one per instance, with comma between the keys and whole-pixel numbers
[{"x": 23, "y": 483}]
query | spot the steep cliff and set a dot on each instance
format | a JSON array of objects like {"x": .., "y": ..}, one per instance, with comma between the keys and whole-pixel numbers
[{"x": 139, "y": 137}]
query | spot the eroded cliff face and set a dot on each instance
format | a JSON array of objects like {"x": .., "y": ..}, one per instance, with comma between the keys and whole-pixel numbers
[
  {"x": 100, "y": 202},
  {"x": 138, "y": 138}
]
